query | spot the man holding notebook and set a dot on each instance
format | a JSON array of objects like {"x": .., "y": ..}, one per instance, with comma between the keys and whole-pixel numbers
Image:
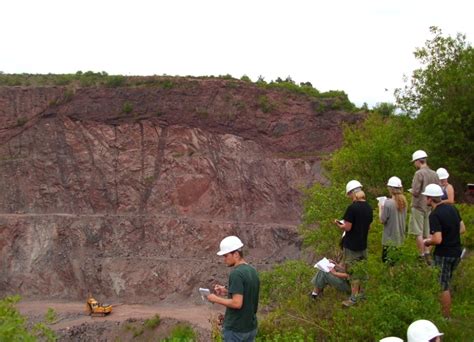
[{"x": 240, "y": 320}]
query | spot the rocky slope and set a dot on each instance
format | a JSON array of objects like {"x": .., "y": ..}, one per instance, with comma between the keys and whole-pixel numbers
[{"x": 126, "y": 192}]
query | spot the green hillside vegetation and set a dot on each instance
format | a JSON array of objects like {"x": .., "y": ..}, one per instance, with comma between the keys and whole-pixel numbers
[
  {"x": 322, "y": 101},
  {"x": 441, "y": 102},
  {"x": 14, "y": 327}
]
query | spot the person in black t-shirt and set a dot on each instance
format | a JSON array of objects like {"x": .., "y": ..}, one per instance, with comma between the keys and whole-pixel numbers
[
  {"x": 356, "y": 225},
  {"x": 446, "y": 226}
]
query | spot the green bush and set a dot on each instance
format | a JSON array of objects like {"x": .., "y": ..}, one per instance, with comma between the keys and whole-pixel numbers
[
  {"x": 115, "y": 81},
  {"x": 395, "y": 295},
  {"x": 13, "y": 326},
  {"x": 322, "y": 206},
  {"x": 467, "y": 214},
  {"x": 153, "y": 322},
  {"x": 21, "y": 121},
  {"x": 265, "y": 104},
  {"x": 50, "y": 316},
  {"x": 181, "y": 333},
  {"x": 127, "y": 107},
  {"x": 375, "y": 150},
  {"x": 440, "y": 94}
]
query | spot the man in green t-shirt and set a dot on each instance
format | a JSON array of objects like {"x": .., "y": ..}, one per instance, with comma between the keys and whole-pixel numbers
[{"x": 240, "y": 321}]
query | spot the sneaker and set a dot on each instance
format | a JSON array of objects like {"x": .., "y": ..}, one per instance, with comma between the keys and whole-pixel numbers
[
  {"x": 314, "y": 295},
  {"x": 350, "y": 302}
]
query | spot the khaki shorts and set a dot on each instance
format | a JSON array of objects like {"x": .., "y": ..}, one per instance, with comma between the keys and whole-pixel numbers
[
  {"x": 351, "y": 258},
  {"x": 419, "y": 223}
]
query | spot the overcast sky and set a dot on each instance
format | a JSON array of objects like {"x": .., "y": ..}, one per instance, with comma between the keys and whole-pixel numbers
[{"x": 362, "y": 47}]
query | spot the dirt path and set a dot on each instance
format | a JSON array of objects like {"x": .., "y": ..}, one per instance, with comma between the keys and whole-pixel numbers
[{"x": 73, "y": 313}]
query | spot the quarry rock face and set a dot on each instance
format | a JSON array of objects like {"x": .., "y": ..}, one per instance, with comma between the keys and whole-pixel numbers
[{"x": 127, "y": 192}]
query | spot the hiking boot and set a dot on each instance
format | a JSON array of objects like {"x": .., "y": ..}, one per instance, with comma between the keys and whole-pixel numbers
[{"x": 350, "y": 302}]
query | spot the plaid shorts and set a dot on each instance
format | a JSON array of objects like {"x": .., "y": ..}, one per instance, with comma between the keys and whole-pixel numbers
[{"x": 447, "y": 265}]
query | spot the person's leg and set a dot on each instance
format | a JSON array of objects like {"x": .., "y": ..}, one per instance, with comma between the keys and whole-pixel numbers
[
  {"x": 415, "y": 227},
  {"x": 232, "y": 336},
  {"x": 447, "y": 265},
  {"x": 250, "y": 336},
  {"x": 352, "y": 258},
  {"x": 427, "y": 235},
  {"x": 445, "y": 299},
  {"x": 323, "y": 279},
  {"x": 420, "y": 245}
]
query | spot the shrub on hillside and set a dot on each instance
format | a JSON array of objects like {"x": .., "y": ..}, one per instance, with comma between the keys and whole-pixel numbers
[
  {"x": 395, "y": 295},
  {"x": 13, "y": 326},
  {"x": 375, "y": 150}
]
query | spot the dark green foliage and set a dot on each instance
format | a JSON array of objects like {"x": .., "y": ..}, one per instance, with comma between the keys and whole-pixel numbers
[
  {"x": 322, "y": 206},
  {"x": 181, "y": 333},
  {"x": 441, "y": 95},
  {"x": 50, "y": 316},
  {"x": 127, "y": 107},
  {"x": 153, "y": 322},
  {"x": 385, "y": 108},
  {"x": 467, "y": 214},
  {"x": 13, "y": 326},
  {"x": 304, "y": 88},
  {"x": 245, "y": 78},
  {"x": 463, "y": 299},
  {"x": 364, "y": 107},
  {"x": 265, "y": 104},
  {"x": 374, "y": 151},
  {"x": 340, "y": 100},
  {"x": 167, "y": 84},
  {"x": 21, "y": 121},
  {"x": 396, "y": 296},
  {"x": 115, "y": 81},
  {"x": 226, "y": 77}
]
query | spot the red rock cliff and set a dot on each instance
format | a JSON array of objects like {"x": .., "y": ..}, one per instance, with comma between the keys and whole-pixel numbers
[{"x": 126, "y": 192}]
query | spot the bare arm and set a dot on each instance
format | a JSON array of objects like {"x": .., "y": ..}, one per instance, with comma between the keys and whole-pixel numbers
[
  {"x": 450, "y": 192},
  {"x": 435, "y": 239},
  {"x": 342, "y": 275},
  {"x": 381, "y": 212},
  {"x": 346, "y": 226},
  {"x": 462, "y": 227},
  {"x": 234, "y": 303}
]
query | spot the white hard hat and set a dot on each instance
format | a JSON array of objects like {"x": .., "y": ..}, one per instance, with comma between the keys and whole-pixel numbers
[
  {"x": 433, "y": 190},
  {"x": 353, "y": 184},
  {"x": 391, "y": 339},
  {"x": 420, "y": 154},
  {"x": 230, "y": 244},
  {"x": 394, "y": 182},
  {"x": 442, "y": 173},
  {"x": 422, "y": 331}
]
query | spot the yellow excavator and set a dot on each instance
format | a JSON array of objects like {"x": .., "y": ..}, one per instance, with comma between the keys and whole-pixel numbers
[{"x": 94, "y": 308}]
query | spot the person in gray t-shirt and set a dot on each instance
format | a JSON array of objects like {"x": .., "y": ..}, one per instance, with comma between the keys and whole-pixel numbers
[
  {"x": 420, "y": 211},
  {"x": 393, "y": 213}
]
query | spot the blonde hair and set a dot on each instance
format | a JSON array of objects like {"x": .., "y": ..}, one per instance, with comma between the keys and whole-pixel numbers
[
  {"x": 359, "y": 195},
  {"x": 398, "y": 197}
]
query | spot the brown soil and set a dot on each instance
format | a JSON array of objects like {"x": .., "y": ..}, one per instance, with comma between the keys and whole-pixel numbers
[{"x": 124, "y": 323}]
